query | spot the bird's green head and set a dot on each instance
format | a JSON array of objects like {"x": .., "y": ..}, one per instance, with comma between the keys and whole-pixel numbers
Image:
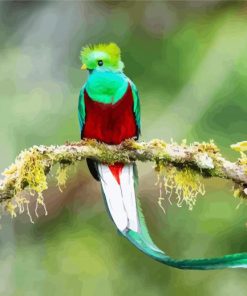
[{"x": 104, "y": 57}]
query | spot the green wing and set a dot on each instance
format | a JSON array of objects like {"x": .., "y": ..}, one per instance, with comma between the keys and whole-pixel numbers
[
  {"x": 81, "y": 108},
  {"x": 137, "y": 107}
]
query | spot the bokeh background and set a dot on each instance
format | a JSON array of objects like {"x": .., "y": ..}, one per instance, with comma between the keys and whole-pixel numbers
[{"x": 189, "y": 61}]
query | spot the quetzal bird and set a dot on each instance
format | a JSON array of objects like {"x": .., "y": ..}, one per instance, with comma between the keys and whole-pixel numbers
[{"x": 109, "y": 111}]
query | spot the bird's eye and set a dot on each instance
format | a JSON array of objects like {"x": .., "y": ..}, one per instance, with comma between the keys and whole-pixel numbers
[{"x": 100, "y": 63}]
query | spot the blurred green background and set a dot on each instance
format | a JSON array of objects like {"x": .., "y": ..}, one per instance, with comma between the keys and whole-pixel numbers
[{"x": 189, "y": 61}]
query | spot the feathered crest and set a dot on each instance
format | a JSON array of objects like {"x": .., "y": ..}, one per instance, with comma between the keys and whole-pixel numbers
[{"x": 110, "y": 49}]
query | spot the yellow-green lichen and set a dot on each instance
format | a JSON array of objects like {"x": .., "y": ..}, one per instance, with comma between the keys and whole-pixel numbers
[
  {"x": 240, "y": 146},
  {"x": 185, "y": 183},
  {"x": 243, "y": 160},
  {"x": 239, "y": 191},
  {"x": 210, "y": 147},
  {"x": 62, "y": 176},
  {"x": 18, "y": 202},
  {"x": 132, "y": 144},
  {"x": 10, "y": 208},
  {"x": 28, "y": 172},
  {"x": 156, "y": 143}
]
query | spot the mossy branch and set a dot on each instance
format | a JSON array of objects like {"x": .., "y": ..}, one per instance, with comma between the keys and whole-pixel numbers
[{"x": 179, "y": 165}]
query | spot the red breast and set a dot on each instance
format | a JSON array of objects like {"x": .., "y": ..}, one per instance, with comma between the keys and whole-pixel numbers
[{"x": 110, "y": 123}]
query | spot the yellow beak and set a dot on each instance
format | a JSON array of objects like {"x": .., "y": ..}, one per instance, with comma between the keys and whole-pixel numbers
[{"x": 84, "y": 67}]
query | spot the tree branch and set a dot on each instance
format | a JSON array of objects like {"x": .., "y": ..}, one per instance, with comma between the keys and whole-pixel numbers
[{"x": 184, "y": 162}]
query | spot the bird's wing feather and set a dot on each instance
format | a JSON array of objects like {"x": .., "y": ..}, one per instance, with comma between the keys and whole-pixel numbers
[
  {"x": 137, "y": 108},
  {"x": 81, "y": 108}
]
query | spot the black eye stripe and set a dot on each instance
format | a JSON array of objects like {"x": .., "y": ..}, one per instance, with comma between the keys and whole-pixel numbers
[{"x": 100, "y": 62}]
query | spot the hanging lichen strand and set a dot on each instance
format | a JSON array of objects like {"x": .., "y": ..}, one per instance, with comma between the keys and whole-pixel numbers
[
  {"x": 185, "y": 183},
  {"x": 180, "y": 169}
]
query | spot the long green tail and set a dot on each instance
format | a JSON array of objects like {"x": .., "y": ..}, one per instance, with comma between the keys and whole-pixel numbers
[{"x": 144, "y": 242}]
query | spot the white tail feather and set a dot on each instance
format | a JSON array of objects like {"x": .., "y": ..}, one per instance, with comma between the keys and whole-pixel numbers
[
  {"x": 120, "y": 199},
  {"x": 128, "y": 195}
]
